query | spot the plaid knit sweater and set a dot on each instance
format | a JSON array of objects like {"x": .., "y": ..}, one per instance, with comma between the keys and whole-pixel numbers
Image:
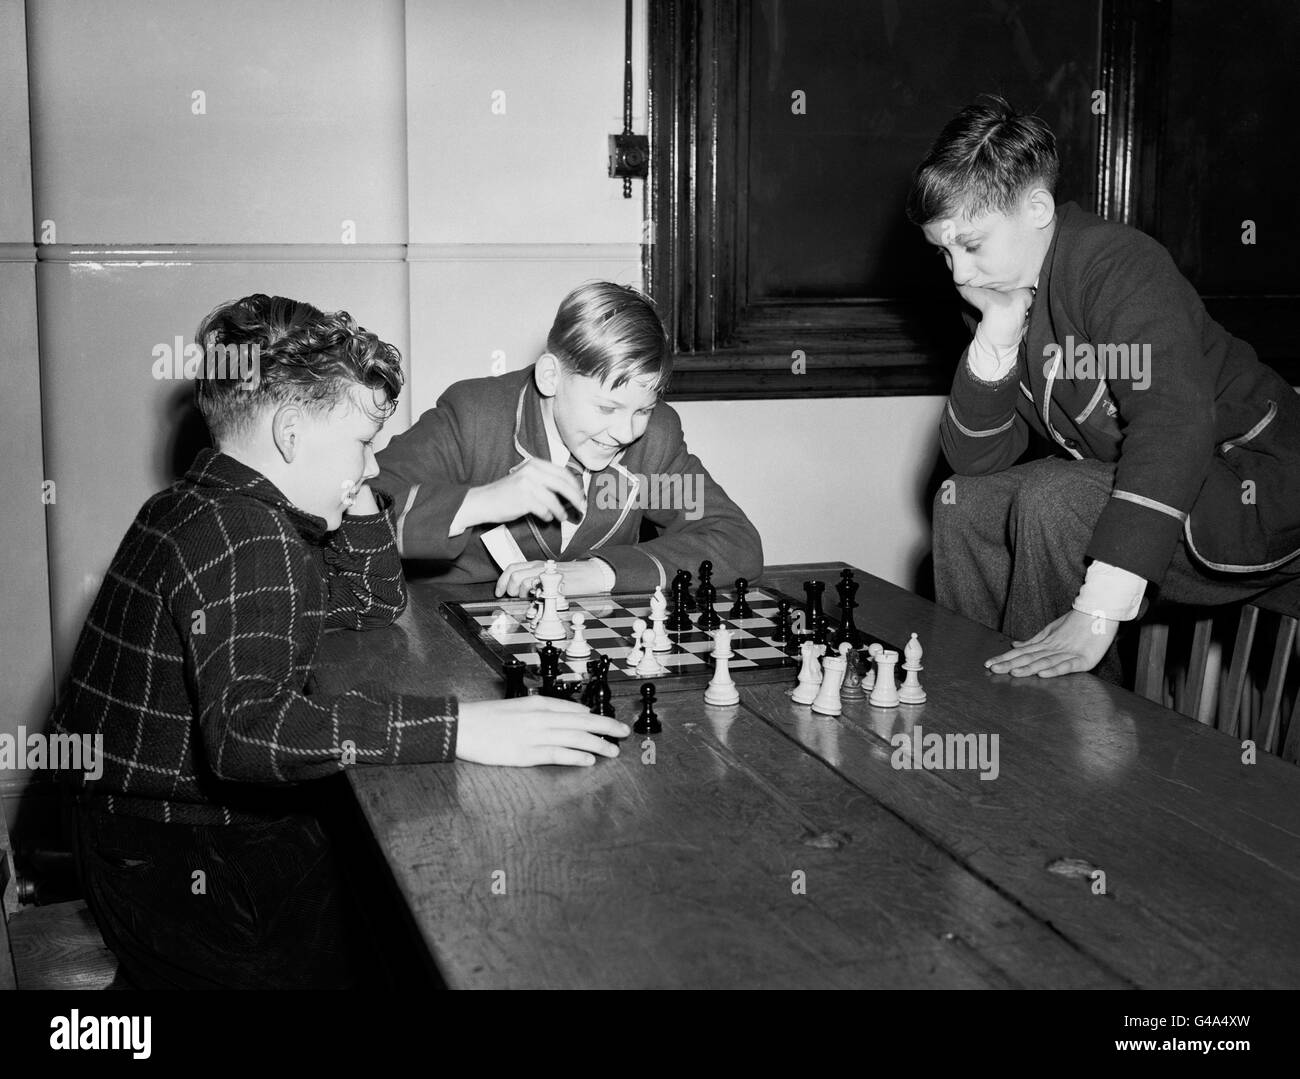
[{"x": 195, "y": 662}]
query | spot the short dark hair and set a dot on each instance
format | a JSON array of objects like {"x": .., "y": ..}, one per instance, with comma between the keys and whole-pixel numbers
[
  {"x": 612, "y": 333},
  {"x": 985, "y": 158},
  {"x": 300, "y": 354}
]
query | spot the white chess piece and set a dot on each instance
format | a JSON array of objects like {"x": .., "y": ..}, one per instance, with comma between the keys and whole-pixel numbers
[
  {"x": 649, "y": 665},
  {"x": 578, "y": 647},
  {"x": 869, "y": 679},
  {"x": 885, "y": 692},
  {"x": 659, "y": 616},
  {"x": 638, "y": 630},
  {"x": 721, "y": 689},
  {"x": 911, "y": 692},
  {"x": 722, "y": 644},
  {"x": 827, "y": 701},
  {"x": 810, "y": 674},
  {"x": 550, "y": 628}
]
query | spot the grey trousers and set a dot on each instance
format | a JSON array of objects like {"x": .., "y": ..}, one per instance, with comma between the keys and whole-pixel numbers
[{"x": 1009, "y": 550}]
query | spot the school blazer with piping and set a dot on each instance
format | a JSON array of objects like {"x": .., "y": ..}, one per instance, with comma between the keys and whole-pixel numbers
[
  {"x": 1209, "y": 450},
  {"x": 482, "y": 428}
]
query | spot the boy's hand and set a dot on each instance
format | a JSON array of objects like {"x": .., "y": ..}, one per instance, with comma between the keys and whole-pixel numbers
[
  {"x": 528, "y": 731},
  {"x": 362, "y": 502},
  {"x": 1002, "y": 314},
  {"x": 536, "y": 487},
  {"x": 584, "y": 578},
  {"x": 1074, "y": 642}
]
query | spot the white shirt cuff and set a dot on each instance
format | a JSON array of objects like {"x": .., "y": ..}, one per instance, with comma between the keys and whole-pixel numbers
[
  {"x": 607, "y": 572},
  {"x": 1111, "y": 592},
  {"x": 987, "y": 362}
]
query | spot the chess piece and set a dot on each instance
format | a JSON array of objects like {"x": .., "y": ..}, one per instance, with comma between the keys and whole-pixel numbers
[
  {"x": 561, "y": 600},
  {"x": 647, "y": 722},
  {"x": 740, "y": 608},
  {"x": 847, "y": 630},
  {"x": 550, "y": 628},
  {"x": 885, "y": 692},
  {"x": 548, "y": 657},
  {"x": 659, "y": 618},
  {"x": 685, "y": 575},
  {"x": 707, "y": 597},
  {"x": 680, "y": 620},
  {"x": 781, "y": 629},
  {"x": 819, "y": 628},
  {"x": 638, "y": 629},
  {"x": 578, "y": 647},
  {"x": 813, "y": 612},
  {"x": 602, "y": 702},
  {"x": 649, "y": 666},
  {"x": 810, "y": 674},
  {"x": 911, "y": 692},
  {"x": 534, "y": 613},
  {"x": 854, "y": 671},
  {"x": 593, "y": 676},
  {"x": 721, "y": 690},
  {"x": 869, "y": 679},
  {"x": 722, "y": 644},
  {"x": 515, "y": 687},
  {"x": 827, "y": 701}
]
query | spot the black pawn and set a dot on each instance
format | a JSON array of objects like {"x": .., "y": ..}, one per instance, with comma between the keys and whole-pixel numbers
[
  {"x": 813, "y": 608},
  {"x": 549, "y": 664},
  {"x": 515, "y": 679},
  {"x": 593, "y": 676},
  {"x": 781, "y": 632},
  {"x": 819, "y": 629},
  {"x": 603, "y": 705},
  {"x": 740, "y": 608},
  {"x": 686, "y": 577},
  {"x": 679, "y": 621},
  {"x": 647, "y": 722},
  {"x": 707, "y": 596}
]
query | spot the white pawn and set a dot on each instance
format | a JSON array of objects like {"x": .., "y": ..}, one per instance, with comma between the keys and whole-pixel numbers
[
  {"x": 885, "y": 692},
  {"x": 810, "y": 674},
  {"x": 722, "y": 689},
  {"x": 659, "y": 616},
  {"x": 827, "y": 701},
  {"x": 869, "y": 679},
  {"x": 634, "y": 656},
  {"x": 578, "y": 647},
  {"x": 649, "y": 666},
  {"x": 911, "y": 692}
]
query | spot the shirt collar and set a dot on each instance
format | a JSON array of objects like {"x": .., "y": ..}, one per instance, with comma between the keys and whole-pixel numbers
[{"x": 213, "y": 469}]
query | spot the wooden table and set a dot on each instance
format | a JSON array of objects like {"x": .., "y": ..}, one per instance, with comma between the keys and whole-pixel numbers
[{"x": 769, "y": 847}]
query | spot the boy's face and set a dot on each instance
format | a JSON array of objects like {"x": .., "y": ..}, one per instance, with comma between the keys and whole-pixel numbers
[
  {"x": 333, "y": 454},
  {"x": 999, "y": 251},
  {"x": 598, "y": 422}
]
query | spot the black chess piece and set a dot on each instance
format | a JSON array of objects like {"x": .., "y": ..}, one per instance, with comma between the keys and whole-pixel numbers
[
  {"x": 794, "y": 645},
  {"x": 679, "y": 621},
  {"x": 603, "y": 702},
  {"x": 740, "y": 608},
  {"x": 515, "y": 670},
  {"x": 707, "y": 597},
  {"x": 847, "y": 630},
  {"x": 686, "y": 577},
  {"x": 820, "y": 628},
  {"x": 813, "y": 607},
  {"x": 647, "y": 722},
  {"x": 781, "y": 631},
  {"x": 549, "y": 665},
  {"x": 593, "y": 675}
]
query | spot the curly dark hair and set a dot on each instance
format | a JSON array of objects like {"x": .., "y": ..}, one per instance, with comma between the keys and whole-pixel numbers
[
  {"x": 293, "y": 352},
  {"x": 984, "y": 159}
]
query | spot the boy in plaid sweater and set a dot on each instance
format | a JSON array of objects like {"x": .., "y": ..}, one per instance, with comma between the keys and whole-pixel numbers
[{"x": 196, "y": 659}]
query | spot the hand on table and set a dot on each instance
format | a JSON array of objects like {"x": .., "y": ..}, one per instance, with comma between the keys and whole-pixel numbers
[
  {"x": 1074, "y": 642},
  {"x": 584, "y": 578},
  {"x": 527, "y": 731},
  {"x": 1002, "y": 314}
]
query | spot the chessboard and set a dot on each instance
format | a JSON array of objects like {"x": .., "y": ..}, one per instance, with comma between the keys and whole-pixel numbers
[{"x": 495, "y": 629}]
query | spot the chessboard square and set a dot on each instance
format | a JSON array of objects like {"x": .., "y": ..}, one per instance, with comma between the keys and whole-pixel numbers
[
  {"x": 750, "y": 623},
  {"x": 602, "y": 633},
  {"x": 739, "y": 663},
  {"x": 619, "y": 622},
  {"x": 618, "y": 652},
  {"x": 531, "y": 659},
  {"x": 514, "y": 638},
  {"x": 697, "y": 646},
  {"x": 682, "y": 659},
  {"x": 759, "y": 652}
]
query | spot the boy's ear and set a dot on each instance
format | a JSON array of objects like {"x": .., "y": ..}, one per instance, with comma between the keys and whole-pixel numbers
[
  {"x": 1042, "y": 207},
  {"x": 286, "y": 430},
  {"x": 546, "y": 374}
]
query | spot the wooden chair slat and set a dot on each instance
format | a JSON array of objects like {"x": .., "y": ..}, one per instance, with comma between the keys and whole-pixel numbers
[
  {"x": 1153, "y": 642},
  {"x": 1230, "y": 689},
  {"x": 1266, "y": 732},
  {"x": 1194, "y": 680}
]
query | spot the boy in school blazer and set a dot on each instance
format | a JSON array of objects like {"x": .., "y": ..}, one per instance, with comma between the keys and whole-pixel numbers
[
  {"x": 570, "y": 457},
  {"x": 1176, "y": 453}
]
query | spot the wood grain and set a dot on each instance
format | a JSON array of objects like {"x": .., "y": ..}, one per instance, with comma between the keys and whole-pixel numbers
[{"x": 680, "y": 872}]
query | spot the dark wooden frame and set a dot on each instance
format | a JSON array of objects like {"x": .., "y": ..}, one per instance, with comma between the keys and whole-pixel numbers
[{"x": 724, "y": 349}]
